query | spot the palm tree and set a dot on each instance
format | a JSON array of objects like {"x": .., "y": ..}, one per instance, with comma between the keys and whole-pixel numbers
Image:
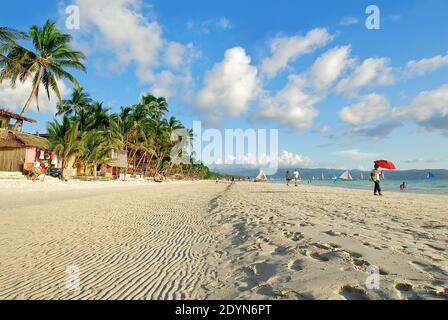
[
  {"x": 8, "y": 40},
  {"x": 64, "y": 140},
  {"x": 10, "y": 35},
  {"x": 94, "y": 149},
  {"x": 78, "y": 101},
  {"x": 157, "y": 107},
  {"x": 46, "y": 64}
]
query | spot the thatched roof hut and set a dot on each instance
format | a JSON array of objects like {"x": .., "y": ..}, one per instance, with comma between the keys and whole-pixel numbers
[{"x": 18, "y": 148}]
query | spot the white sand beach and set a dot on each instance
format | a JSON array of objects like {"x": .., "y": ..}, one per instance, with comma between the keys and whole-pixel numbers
[{"x": 201, "y": 240}]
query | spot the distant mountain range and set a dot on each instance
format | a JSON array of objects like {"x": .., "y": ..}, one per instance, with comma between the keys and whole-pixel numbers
[{"x": 307, "y": 174}]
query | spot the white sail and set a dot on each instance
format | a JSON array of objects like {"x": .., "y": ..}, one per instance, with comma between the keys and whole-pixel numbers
[
  {"x": 362, "y": 176},
  {"x": 323, "y": 177},
  {"x": 346, "y": 176},
  {"x": 261, "y": 177}
]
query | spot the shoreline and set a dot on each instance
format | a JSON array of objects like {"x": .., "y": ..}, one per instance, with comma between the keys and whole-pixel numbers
[
  {"x": 79, "y": 182},
  {"x": 409, "y": 190}
]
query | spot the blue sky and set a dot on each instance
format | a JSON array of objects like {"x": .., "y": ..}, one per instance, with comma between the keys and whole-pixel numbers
[{"x": 340, "y": 94}]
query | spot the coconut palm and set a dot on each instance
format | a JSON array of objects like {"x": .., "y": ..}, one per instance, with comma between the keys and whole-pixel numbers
[
  {"x": 8, "y": 42},
  {"x": 157, "y": 107},
  {"x": 46, "y": 63},
  {"x": 95, "y": 149},
  {"x": 64, "y": 140},
  {"x": 10, "y": 35},
  {"x": 78, "y": 101}
]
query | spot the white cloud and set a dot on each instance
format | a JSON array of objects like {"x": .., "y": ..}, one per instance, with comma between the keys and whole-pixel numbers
[
  {"x": 426, "y": 105},
  {"x": 224, "y": 24},
  {"x": 284, "y": 159},
  {"x": 424, "y": 66},
  {"x": 177, "y": 55},
  {"x": 372, "y": 72},
  {"x": 329, "y": 67},
  {"x": 286, "y": 49},
  {"x": 15, "y": 99},
  {"x": 369, "y": 108},
  {"x": 355, "y": 154},
  {"x": 288, "y": 160},
  {"x": 348, "y": 21},
  {"x": 229, "y": 87},
  {"x": 429, "y": 109},
  {"x": 120, "y": 28},
  {"x": 209, "y": 25},
  {"x": 292, "y": 106},
  {"x": 169, "y": 84}
]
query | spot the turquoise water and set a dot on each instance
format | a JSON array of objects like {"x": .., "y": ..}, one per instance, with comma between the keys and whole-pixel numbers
[{"x": 433, "y": 186}]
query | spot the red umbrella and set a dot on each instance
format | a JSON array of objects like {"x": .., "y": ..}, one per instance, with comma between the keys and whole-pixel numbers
[{"x": 386, "y": 164}]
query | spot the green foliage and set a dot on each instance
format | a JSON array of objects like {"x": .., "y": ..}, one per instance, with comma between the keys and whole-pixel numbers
[
  {"x": 87, "y": 132},
  {"x": 45, "y": 64}
]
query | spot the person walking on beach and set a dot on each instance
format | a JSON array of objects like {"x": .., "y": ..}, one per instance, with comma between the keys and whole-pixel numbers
[
  {"x": 296, "y": 176},
  {"x": 287, "y": 178},
  {"x": 375, "y": 177}
]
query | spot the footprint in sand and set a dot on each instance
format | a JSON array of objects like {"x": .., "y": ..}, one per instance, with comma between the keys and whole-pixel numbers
[
  {"x": 318, "y": 256},
  {"x": 263, "y": 271},
  {"x": 353, "y": 293},
  {"x": 432, "y": 270},
  {"x": 294, "y": 236},
  {"x": 405, "y": 291},
  {"x": 281, "y": 250},
  {"x": 295, "y": 265},
  {"x": 404, "y": 287}
]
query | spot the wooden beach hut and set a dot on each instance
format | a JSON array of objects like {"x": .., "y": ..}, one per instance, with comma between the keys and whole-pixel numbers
[
  {"x": 17, "y": 148},
  {"x": 117, "y": 164}
]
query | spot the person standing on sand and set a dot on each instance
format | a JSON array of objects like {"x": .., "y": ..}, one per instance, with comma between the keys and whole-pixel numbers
[
  {"x": 296, "y": 176},
  {"x": 287, "y": 178},
  {"x": 375, "y": 177}
]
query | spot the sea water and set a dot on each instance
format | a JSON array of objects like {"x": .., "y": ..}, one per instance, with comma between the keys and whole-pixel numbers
[{"x": 430, "y": 186}]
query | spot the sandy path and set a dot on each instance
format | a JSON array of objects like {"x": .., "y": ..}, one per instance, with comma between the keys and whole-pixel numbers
[
  {"x": 317, "y": 243},
  {"x": 127, "y": 242}
]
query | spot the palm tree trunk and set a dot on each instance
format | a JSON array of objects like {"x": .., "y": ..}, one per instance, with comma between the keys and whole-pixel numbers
[
  {"x": 95, "y": 169},
  {"x": 30, "y": 99},
  {"x": 127, "y": 158}
]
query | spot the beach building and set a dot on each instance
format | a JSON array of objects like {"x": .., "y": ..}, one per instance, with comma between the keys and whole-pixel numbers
[
  {"x": 116, "y": 166},
  {"x": 6, "y": 117},
  {"x": 18, "y": 148}
]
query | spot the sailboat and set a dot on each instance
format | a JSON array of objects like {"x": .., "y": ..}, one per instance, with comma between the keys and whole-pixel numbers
[
  {"x": 261, "y": 177},
  {"x": 346, "y": 176},
  {"x": 362, "y": 176},
  {"x": 430, "y": 175},
  {"x": 323, "y": 178}
]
